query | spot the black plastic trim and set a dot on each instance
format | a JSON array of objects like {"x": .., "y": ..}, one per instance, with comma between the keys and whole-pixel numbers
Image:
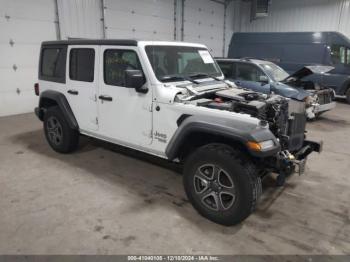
[
  {"x": 39, "y": 113},
  {"x": 241, "y": 132},
  {"x": 181, "y": 119},
  {"x": 62, "y": 103},
  {"x": 120, "y": 42}
]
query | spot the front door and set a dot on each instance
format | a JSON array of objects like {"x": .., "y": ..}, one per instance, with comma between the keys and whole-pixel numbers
[
  {"x": 125, "y": 116},
  {"x": 82, "y": 82}
]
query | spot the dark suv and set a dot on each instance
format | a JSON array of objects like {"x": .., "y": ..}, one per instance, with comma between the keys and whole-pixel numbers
[{"x": 267, "y": 77}]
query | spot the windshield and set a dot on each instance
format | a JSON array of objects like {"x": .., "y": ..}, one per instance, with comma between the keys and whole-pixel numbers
[
  {"x": 274, "y": 71},
  {"x": 176, "y": 63}
]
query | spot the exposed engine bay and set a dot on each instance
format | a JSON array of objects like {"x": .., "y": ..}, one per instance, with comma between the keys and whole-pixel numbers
[{"x": 285, "y": 117}]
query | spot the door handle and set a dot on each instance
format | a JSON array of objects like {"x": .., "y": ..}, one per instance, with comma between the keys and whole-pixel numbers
[
  {"x": 105, "y": 98},
  {"x": 72, "y": 92}
]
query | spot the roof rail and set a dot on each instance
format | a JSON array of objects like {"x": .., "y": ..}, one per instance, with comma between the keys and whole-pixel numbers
[{"x": 250, "y": 58}]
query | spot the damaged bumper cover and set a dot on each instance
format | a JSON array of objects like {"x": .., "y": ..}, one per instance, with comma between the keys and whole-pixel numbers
[
  {"x": 284, "y": 162},
  {"x": 324, "y": 107},
  {"x": 288, "y": 161}
]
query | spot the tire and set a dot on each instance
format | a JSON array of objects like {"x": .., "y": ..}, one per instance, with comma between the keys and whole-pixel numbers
[
  {"x": 227, "y": 195},
  {"x": 59, "y": 135},
  {"x": 347, "y": 94}
]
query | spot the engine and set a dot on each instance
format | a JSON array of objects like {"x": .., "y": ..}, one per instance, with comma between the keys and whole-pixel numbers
[{"x": 286, "y": 118}]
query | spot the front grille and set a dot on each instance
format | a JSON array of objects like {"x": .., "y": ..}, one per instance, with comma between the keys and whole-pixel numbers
[
  {"x": 296, "y": 106},
  {"x": 324, "y": 98},
  {"x": 296, "y": 129}
]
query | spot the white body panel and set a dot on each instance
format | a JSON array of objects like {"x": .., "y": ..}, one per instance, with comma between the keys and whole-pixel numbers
[
  {"x": 131, "y": 119},
  {"x": 84, "y": 104},
  {"x": 128, "y": 116}
]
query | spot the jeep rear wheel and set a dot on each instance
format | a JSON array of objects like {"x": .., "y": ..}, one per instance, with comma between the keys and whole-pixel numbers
[
  {"x": 222, "y": 185},
  {"x": 59, "y": 135}
]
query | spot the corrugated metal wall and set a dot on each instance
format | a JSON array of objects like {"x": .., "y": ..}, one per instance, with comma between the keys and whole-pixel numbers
[
  {"x": 297, "y": 15},
  {"x": 23, "y": 26}
]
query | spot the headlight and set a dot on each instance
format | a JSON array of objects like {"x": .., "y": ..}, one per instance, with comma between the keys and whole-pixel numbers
[
  {"x": 261, "y": 146},
  {"x": 309, "y": 100}
]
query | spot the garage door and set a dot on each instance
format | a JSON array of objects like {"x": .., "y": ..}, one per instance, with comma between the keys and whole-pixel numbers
[
  {"x": 23, "y": 25},
  {"x": 80, "y": 18},
  {"x": 204, "y": 23},
  {"x": 146, "y": 20}
]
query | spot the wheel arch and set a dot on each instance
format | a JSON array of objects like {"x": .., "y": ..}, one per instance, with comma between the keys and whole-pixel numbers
[
  {"x": 197, "y": 138},
  {"x": 195, "y": 132},
  {"x": 51, "y": 98}
]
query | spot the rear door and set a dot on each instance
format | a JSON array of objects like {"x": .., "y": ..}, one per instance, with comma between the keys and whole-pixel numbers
[{"x": 82, "y": 82}]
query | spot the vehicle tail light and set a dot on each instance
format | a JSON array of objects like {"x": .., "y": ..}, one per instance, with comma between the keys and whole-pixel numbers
[{"x": 36, "y": 89}]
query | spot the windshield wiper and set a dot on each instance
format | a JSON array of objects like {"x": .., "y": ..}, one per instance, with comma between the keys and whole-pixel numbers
[{"x": 168, "y": 78}]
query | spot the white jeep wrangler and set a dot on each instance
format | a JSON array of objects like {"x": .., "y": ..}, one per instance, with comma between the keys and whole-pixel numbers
[{"x": 169, "y": 99}]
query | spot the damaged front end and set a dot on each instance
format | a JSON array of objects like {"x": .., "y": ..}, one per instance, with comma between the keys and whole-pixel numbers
[
  {"x": 285, "y": 118},
  {"x": 321, "y": 99}
]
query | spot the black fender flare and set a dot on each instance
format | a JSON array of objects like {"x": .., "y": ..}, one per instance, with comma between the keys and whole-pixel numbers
[
  {"x": 62, "y": 103},
  {"x": 237, "y": 131}
]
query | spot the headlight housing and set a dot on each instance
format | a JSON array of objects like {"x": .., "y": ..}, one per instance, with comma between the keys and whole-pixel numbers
[
  {"x": 309, "y": 100},
  {"x": 261, "y": 146}
]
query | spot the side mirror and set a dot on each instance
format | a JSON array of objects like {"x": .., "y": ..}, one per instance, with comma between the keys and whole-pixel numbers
[
  {"x": 263, "y": 79},
  {"x": 135, "y": 79}
]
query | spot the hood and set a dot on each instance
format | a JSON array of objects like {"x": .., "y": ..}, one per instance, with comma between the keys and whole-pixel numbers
[
  {"x": 289, "y": 91},
  {"x": 306, "y": 71},
  {"x": 185, "y": 90}
]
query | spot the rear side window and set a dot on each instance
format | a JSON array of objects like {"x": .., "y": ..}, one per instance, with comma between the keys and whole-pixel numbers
[
  {"x": 226, "y": 68},
  {"x": 340, "y": 54},
  {"x": 248, "y": 72},
  {"x": 82, "y": 64},
  {"x": 116, "y": 62},
  {"x": 52, "y": 65}
]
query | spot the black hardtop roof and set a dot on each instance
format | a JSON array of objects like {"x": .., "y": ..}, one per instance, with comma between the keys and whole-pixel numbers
[{"x": 123, "y": 42}]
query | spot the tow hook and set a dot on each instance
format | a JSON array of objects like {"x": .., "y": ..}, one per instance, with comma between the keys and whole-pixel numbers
[{"x": 288, "y": 162}]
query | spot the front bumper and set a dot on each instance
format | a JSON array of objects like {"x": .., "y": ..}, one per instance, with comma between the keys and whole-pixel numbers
[
  {"x": 324, "y": 107},
  {"x": 309, "y": 146},
  {"x": 286, "y": 162},
  {"x": 313, "y": 110}
]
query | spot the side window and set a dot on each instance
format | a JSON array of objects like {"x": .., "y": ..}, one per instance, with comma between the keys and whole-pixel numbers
[
  {"x": 82, "y": 64},
  {"x": 52, "y": 64},
  {"x": 226, "y": 68},
  {"x": 248, "y": 72},
  {"x": 116, "y": 62},
  {"x": 340, "y": 54}
]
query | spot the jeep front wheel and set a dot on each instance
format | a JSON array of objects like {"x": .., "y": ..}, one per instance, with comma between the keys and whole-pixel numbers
[
  {"x": 222, "y": 185},
  {"x": 58, "y": 133}
]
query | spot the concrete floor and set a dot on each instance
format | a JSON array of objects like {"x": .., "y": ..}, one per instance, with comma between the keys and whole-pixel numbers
[{"x": 106, "y": 200}]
